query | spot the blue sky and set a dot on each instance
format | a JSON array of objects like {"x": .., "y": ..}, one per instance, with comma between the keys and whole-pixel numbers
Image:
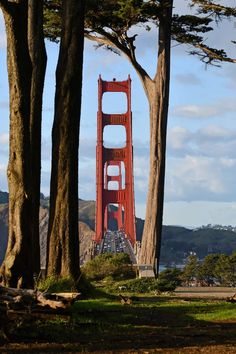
[{"x": 201, "y": 149}]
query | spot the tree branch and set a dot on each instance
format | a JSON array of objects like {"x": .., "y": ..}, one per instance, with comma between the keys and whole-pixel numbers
[
  {"x": 212, "y": 54},
  {"x": 120, "y": 43},
  {"x": 214, "y": 9}
]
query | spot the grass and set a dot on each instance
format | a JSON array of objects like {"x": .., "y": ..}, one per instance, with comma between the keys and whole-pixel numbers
[
  {"x": 152, "y": 322},
  {"x": 218, "y": 312},
  {"x": 55, "y": 284},
  {"x": 164, "y": 311},
  {"x": 101, "y": 323}
]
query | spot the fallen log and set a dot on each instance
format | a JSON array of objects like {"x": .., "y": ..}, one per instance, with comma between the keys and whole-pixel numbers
[
  {"x": 67, "y": 297},
  {"x": 17, "y": 299},
  {"x": 14, "y": 292},
  {"x": 54, "y": 304}
]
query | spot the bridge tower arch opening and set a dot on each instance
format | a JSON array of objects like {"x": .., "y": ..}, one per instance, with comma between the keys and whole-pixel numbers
[{"x": 114, "y": 189}]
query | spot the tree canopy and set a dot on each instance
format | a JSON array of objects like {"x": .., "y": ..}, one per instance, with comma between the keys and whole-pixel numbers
[{"x": 109, "y": 23}]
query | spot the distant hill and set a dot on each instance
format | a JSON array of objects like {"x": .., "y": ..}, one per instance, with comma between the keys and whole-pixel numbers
[
  {"x": 3, "y": 197},
  {"x": 177, "y": 241},
  {"x": 3, "y": 230},
  {"x": 85, "y": 233}
]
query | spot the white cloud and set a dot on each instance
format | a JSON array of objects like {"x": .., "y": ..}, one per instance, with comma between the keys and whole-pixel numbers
[
  {"x": 178, "y": 138},
  {"x": 87, "y": 182},
  {"x": 201, "y": 168},
  {"x": 193, "y": 178},
  {"x": 214, "y": 132},
  {"x": 210, "y": 141},
  {"x": 227, "y": 162},
  {"x": 195, "y": 111},
  {"x": 4, "y": 146}
]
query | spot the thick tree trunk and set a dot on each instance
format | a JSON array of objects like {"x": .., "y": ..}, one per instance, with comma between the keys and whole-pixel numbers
[
  {"x": 158, "y": 96},
  {"x": 16, "y": 269},
  {"x": 22, "y": 255},
  {"x": 38, "y": 58},
  {"x": 63, "y": 247}
]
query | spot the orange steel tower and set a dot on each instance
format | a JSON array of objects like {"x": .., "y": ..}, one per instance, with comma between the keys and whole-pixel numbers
[
  {"x": 115, "y": 214},
  {"x": 106, "y": 157}
]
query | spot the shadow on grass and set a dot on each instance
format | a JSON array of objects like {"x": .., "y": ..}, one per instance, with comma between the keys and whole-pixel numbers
[{"x": 104, "y": 324}]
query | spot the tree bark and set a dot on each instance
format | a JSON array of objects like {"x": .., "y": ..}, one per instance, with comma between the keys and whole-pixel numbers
[
  {"x": 22, "y": 255},
  {"x": 63, "y": 239},
  {"x": 158, "y": 97},
  {"x": 38, "y": 58}
]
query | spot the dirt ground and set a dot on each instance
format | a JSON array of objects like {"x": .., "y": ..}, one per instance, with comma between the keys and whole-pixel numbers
[
  {"x": 67, "y": 348},
  {"x": 210, "y": 292}
]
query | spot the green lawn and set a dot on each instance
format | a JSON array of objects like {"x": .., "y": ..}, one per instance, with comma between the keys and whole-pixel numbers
[{"x": 158, "y": 322}]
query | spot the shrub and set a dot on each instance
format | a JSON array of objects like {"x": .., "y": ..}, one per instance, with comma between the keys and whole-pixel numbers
[
  {"x": 109, "y": 265},
  {"x": 169, "y": 279},
  {"x": 141, "y": 285},
  {"x": 56, "y": 284}
]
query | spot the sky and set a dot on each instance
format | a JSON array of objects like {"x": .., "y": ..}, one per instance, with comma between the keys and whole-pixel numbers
[{"x": 200, "y": 186}]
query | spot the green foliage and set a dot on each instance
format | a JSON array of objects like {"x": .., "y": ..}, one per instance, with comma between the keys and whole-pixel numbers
[
  {"x": 169, "y": 279},
  {"x": 56, "y": 284},
  {"x": 214, "y": 9},
  {"x": 141, "y": 285},
  {"x": 191, "y": 269},
  {"x": 225, "y": 270},
  {"x": 111, "y": 20},
  {"x": 109, "y": 265},
  {"x": 218, "y": 268},
  {"x": 84, "y": 286},
  {"x": 124, "y": 14},
  {"x": 215, "y": 269},
  {"x": 206, "y": 271},
  {"x": 52, "y": 19}
]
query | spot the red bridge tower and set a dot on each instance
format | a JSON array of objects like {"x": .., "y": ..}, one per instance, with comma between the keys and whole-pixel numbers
[{"x": 106, "y": 157}]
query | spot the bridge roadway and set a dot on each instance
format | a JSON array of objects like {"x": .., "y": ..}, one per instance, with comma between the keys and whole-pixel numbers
[{"x": 116, "y": 242}]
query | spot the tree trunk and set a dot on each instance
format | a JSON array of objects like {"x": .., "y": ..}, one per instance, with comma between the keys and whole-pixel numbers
[
  {"x": 16, "y": 267},
  {"x": 22, "y": 255},
  {"x": 63, "y": 238},
  {"x": 38, "y": 58},
  {"x": 158, "y": 97}
]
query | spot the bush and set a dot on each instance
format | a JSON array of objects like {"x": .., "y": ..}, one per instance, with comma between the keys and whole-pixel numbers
[
  {"x": 169, "y": 279},
  {"x": 56, "y": 284},
  {"x": 109, "y": 265},
  {"x": 140, "y": 285}
]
